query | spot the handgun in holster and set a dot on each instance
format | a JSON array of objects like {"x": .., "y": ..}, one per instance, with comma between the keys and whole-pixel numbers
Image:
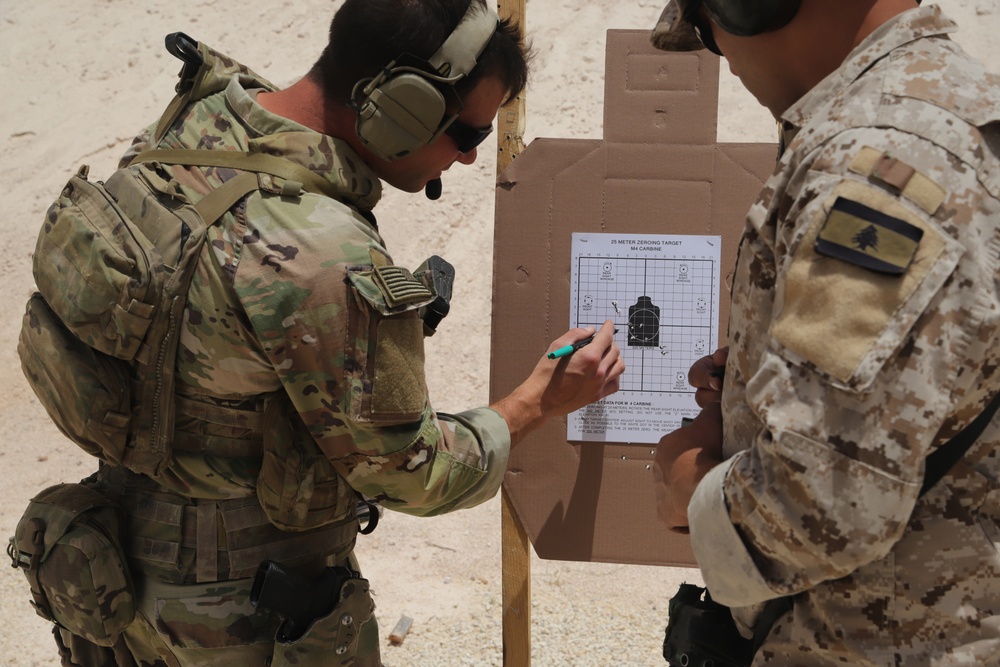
[
  {"x": 702, "y": 633},
  {"x": 297, "y": 600}
]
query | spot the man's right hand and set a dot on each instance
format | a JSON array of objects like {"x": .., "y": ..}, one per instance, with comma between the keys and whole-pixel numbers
[
  {"x": 683, "y": 457},
  {"x": 557, "y": 387},
  {"x": 706, "y": 377}
]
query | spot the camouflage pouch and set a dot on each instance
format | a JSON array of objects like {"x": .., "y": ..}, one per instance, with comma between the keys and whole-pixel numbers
[
  {"x": 384, "y": 363},
  {"x": 101, "y": 275},
  {"x": 68, "y": 543},
  {"x": 297, "y": 486},
  {"x": 106, "y": 305},
  {"x": 85, "y": 392}
]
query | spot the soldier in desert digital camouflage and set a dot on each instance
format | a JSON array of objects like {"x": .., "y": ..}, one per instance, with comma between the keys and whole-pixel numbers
[{"x": 863, "y": 336}]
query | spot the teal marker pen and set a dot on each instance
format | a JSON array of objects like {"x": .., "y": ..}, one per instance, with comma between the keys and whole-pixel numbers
[{"x": 567, "y": 350}]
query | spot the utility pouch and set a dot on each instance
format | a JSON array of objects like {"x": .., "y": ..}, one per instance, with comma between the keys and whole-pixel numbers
[
  {"x": 85, "y": 392},
  {"x": 297, "y": 486},
  {"x": 100, "y": 271},
  {"x": 112, "y": 264},
  {"x": 702, "y": 633},
  {"x": 68, "y": 543}
]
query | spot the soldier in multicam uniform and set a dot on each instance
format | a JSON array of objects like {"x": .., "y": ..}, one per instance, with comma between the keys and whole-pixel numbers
[
  {"x": 300, "y": 372},
  {"x": 863, "y": 335}
]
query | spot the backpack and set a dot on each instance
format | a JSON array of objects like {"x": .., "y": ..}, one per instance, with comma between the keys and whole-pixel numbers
[{"x": 112, "y": 265}]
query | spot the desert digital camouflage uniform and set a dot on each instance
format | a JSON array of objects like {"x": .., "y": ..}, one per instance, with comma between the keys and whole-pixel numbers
[
  {"x": 864, "y": 333},
  {"x": 299, "y": 325}
]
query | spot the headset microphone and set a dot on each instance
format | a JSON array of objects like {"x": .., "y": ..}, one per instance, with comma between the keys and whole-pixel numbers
[{"x": 433, "y": 189}]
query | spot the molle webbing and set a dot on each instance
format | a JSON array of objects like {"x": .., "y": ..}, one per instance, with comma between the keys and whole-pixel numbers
[
  {"x": 219, "y": 445},
  {"x": 186, "y": 541}
]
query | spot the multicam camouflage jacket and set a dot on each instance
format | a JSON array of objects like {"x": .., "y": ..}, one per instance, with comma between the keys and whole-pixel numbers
[
  {"x": 863, "y": 334},
  {"x": 294, "y": 296}
]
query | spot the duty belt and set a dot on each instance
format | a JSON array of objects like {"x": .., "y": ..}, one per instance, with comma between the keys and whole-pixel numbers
[{"x": 191, "y": 540}]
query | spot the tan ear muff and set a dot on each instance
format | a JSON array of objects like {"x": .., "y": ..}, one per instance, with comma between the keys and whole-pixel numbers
[
  {"x": 402, "y": 109},
  {"x": 400, "y": 115}
]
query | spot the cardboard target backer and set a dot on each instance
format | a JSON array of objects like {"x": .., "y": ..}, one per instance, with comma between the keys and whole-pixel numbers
[{"x": 658, "y": 170}]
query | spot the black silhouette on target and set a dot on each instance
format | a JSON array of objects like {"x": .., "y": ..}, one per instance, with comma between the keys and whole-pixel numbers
[{"x": 644, "y": 323}]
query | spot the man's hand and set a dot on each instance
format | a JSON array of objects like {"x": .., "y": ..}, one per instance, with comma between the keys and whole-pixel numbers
[
  {"x": 706, "y": 377},
  {"x": 557, "y": 387},
  {"x": 682, "y": 459}
]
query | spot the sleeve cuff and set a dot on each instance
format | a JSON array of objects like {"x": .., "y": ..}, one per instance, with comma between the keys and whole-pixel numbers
[
  {"x": 494, "y": 438},
  {"x": 726, "y": 566}
]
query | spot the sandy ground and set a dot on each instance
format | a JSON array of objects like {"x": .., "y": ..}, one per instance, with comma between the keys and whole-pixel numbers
[{"x": 80, "y": 78}]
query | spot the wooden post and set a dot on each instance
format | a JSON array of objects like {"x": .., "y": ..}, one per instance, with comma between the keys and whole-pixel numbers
[{"x": 516, "y": 559}]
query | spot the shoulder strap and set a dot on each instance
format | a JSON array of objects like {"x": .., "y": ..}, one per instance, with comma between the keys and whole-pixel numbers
[
  {"x": 942, "y": 459},
  {"x": 214, "y": 205},
  {"x": 255, "y": 162}
]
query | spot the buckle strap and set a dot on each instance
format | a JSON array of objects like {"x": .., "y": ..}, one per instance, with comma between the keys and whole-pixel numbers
[
  {"x": 207, "y": 547},
  {"x": 27, "y": 555},
  {"x": 214, "y": 205}
]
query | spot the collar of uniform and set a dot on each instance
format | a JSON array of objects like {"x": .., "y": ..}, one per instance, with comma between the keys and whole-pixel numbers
[
  {"x": 901, "y": 30},
  {"x": 329, "y": 157}
]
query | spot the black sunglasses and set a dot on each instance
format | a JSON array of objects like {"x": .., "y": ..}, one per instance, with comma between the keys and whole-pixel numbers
[
  {"x": 466, "y": 137},
  {"x": 702, "y": 27}
]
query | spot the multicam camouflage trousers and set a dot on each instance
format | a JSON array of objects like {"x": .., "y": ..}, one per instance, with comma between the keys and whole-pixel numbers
[{"x": 203, "y": 625}]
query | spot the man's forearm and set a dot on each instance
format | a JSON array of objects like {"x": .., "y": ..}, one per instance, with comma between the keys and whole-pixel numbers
[{"x": 521, "y": 412}]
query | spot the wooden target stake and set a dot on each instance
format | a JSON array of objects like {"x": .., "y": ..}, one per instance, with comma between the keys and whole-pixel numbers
[{"x": 516, "y": 560}]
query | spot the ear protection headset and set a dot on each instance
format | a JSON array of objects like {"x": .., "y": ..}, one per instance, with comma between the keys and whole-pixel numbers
[
  {"x": 402, "y": 109},
  {"x": 746, "y": 18}
]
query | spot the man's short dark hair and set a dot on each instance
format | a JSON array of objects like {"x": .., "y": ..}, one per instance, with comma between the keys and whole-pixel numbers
[{"x": 366, "y": 35}]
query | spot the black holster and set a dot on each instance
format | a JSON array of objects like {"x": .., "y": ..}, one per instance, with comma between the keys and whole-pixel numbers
[{"x": 702, "y": 633}]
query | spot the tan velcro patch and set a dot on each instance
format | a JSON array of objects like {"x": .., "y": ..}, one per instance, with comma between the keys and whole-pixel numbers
[
  {"x": 398, "y": 386},
  {"x": 906, "y": 180},
  {"x": 379, "y": 258},
  {"x": 845, "y": 318}
]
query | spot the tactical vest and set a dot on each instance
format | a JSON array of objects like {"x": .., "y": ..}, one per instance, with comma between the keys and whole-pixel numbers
[{"x": 113, "y": 264}]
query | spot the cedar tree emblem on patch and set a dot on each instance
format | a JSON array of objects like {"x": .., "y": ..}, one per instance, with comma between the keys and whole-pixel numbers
[{"x": 867, "y": 238}]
